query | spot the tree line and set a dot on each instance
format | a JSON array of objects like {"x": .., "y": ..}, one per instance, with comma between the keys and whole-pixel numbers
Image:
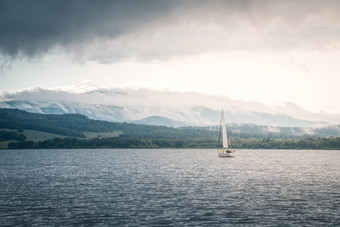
[
  {"x": 116, "y": 142},
  {"x": 12, "y": 135}
]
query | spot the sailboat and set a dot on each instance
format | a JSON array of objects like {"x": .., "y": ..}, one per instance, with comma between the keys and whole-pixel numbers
[{"x": 226, "y": 150}]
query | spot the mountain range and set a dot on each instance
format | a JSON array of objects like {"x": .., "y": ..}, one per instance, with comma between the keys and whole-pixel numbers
[{"x": 167, "y": 108}]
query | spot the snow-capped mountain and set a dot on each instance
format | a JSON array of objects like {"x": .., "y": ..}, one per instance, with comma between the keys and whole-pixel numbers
[{"x": 168, "y": 108}]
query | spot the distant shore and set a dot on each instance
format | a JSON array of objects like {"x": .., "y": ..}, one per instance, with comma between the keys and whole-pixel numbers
[{"x": 117, "y": 142}]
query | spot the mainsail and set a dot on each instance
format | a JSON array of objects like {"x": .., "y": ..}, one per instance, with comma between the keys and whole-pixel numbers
[{"x": 224, "y": 132}]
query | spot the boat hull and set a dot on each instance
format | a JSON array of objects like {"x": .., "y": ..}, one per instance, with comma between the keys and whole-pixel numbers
[{"x": 226, "y": 154}]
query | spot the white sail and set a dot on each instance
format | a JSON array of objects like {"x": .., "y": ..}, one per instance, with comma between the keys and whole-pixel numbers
[{"x": 224, "y": 132}]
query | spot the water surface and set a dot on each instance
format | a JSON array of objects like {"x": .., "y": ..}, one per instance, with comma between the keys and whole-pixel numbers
[{"x": 169, "y": 187}]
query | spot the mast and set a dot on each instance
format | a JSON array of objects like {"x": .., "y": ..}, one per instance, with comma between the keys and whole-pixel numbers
[{"x": 224, "y": 132}]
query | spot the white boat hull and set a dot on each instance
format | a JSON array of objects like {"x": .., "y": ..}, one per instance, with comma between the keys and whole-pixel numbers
[{"x": 225, "y": 154}]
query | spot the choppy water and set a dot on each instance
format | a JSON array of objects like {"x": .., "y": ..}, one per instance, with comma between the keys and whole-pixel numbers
[{"x": 169, "y": 187}]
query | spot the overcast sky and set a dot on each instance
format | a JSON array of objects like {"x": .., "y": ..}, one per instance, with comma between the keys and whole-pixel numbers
[{"x": 270, "y": 52}]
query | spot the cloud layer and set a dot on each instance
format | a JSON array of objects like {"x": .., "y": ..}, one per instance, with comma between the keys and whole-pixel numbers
[
  {"x": 163, "y": 103},
  {"x": 35, "y": 26},
  {"x": 108, "y": 31}
]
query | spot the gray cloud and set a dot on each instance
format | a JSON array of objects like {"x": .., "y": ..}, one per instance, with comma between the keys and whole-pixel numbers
[
  {"x": 156, "y": 29},
  {"x": 35, "y": 26}
]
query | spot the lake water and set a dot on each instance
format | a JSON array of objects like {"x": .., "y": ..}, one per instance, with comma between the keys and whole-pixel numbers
[{"x": 169, "y": 187}]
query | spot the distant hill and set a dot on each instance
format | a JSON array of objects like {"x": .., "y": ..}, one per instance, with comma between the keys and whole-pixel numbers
[
  {"x": 165, "y": 108},
  {"x": 77, "y": 125},
  {"x": 160, "y": 121},
  {"x": 259, "y": 131},
  {"x": 193, "y": 116}
]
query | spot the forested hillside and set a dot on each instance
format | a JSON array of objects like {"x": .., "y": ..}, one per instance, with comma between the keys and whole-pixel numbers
[{"x": 75, "y": 126}]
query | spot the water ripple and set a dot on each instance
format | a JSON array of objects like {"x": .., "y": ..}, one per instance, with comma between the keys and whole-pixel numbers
[{"x": 169, "y": 188}]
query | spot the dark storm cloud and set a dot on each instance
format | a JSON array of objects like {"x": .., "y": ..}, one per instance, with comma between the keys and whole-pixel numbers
[{"x": 32, "y": 27}]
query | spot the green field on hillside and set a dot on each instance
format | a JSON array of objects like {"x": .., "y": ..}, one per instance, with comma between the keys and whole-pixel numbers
[
  {"x": 38, "y": 136},
  {"x": 33, "y": 135},
  {"x": 3, "y": 144}
]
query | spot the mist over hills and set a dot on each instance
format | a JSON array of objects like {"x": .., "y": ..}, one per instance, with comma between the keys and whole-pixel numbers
[
  {"x": 167, "y": 108},
  {"x": 75, "y": 125}
]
